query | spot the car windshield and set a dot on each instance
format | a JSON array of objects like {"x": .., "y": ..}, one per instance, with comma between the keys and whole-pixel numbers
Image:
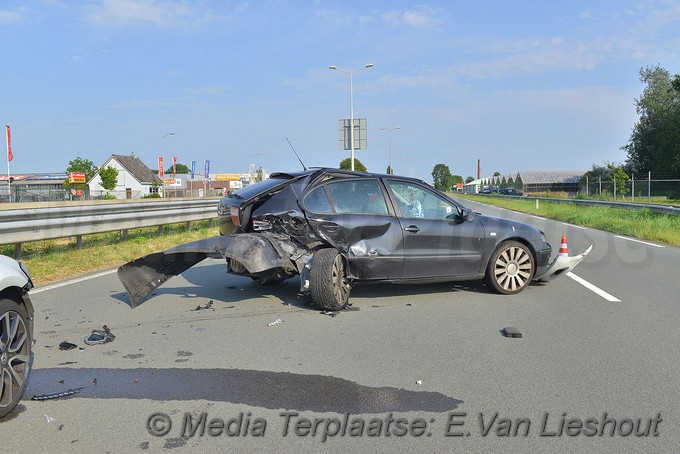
[{"x": 257, "y": 188}]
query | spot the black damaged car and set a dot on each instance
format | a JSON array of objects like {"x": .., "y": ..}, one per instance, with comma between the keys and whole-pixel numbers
[{"x": 336, "y": 228}]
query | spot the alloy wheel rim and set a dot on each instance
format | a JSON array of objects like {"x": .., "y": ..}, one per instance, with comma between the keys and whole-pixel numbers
[
  {"x": 14, "y": 357},
  {"x": 512, "y": 269},
  {"x": 340, "y": 284}
]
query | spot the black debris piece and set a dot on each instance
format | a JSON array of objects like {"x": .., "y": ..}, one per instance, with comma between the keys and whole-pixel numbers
[
  {"x": 329, "y": 313},
  {"x": 511, "y": 331},
  {"x": 99, "y": 336},
  {"x": 67, "y": 393},
  {"x": 67, "y": 346}
]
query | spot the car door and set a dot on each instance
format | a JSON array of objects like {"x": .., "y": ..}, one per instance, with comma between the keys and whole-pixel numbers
[
  {"x": 353, "y": 216},
  {"x": 438, "y": 242}
]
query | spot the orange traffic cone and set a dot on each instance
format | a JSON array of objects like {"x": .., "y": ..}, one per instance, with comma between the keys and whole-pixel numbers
[{"x": 564, "y": 250}]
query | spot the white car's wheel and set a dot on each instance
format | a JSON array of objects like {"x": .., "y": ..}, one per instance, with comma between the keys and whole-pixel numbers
[{"x": 15, "y": 354}]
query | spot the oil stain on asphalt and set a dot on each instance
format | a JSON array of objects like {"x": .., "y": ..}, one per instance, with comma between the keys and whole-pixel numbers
[{"x": 272, "y": 390}]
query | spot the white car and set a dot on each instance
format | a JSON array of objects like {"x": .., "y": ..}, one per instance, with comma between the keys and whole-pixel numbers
[{"x": 16, "y": 332}]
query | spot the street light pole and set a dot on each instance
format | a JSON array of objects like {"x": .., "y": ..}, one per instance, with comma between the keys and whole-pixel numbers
[
  {"x": 351, "y": 104},
  {"x": 389, "y": 130},
  {"x": 168, "y": 134}
]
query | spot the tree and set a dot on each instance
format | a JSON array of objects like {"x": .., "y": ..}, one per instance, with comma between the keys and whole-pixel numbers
[
  {"x": 109, "y": 177},
  {"x": 469, "y": 179},
  {"x": 259, "y": 175},
  {"x": 80, "y": 165},
  {"x": 609, "y": 173},
  {"x": 654, "y": 144},
  {"x": 620, "y": 177},
  {"x": 181, "y": 168},
  {"x": 496, "y": 174},
  {"x": 441, "y": 175},
  {"x": 346, "y": 164},
  {"x": 389, "y": 170},
  {"x": 457, "y": 179}
]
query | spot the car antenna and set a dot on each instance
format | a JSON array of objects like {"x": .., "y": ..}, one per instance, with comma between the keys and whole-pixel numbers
[{"x": 296, "y": 155}]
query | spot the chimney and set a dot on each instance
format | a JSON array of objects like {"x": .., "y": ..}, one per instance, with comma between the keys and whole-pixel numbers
[{"x": 479, "y": 169}]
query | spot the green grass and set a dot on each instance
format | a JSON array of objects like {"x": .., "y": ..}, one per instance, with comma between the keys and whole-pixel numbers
[
  {"x": 56, "y": 260},
  {"x": 642, "y": 224}
]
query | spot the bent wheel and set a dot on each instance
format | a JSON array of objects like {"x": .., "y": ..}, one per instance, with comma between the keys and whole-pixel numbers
[
  {"x": 329, "y": 280},
  {"x": 15, "y": 354},
  {"x": 510, "y": 268}
]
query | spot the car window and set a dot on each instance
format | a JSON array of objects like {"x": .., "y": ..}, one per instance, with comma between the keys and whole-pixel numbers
[
  {"x": 257, "y": 188},
  {"x": 417, "y": 201},
  {"x": 317, "y": 201},
  {"x": 357, "y": 197}
]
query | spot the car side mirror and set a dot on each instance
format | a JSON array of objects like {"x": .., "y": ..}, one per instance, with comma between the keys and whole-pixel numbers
[{"x": 463, "y": 216}]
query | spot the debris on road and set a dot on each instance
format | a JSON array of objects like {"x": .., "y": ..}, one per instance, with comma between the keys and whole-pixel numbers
[
  {"x": 329, "y": 313},
  {"x": 66, "y": 393},
  {"x": 67, "y": 346},
  {"x": 511, "y": 332},
  {"x": 208, "y": 305},
  {"x": 275, "y": 322},
  {"x": 100, "y": 336},
  {"x": 419, "y": 382}
]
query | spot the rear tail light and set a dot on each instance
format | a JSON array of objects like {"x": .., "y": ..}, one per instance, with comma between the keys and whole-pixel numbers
[{"x": 233, "y": 211}]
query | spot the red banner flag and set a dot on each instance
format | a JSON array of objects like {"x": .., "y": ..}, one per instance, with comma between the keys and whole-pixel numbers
[
  {"x": 174, "y": 167},
  {"x": 10, "y": 156},
  {"x": 160, "y": 166}
]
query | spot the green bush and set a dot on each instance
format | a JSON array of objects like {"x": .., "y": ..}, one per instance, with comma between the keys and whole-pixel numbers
[{"x": 152, "y": 196}]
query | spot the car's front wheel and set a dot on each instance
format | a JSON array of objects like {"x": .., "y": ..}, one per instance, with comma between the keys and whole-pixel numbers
[
  {"x": 510, "y": 268},
  {"x": 329, "y": 280},
  {"x": 15, "y": 354}
]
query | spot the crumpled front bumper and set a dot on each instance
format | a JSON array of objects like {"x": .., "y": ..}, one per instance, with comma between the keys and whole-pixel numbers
[{"x": 561, "y": 266}]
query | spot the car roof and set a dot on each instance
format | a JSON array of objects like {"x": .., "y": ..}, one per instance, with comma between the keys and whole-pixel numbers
[{"x": 324, "y": 171}]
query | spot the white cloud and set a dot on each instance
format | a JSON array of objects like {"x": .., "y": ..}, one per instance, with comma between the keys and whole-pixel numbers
[
  {"x": 158, "y": 13},
  {"x": 8, "y": 17},
  {"x": 422, "y": 17}
]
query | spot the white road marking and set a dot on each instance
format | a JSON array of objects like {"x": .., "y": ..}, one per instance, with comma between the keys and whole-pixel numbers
[
  {"x": 574, "y": 226},
  {"x": 593, "y": 288},
  {"x": 73, "y": 281},
  {"x": 637, "y": 241}
]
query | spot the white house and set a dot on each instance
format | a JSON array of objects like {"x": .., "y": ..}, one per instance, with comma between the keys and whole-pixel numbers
[{"x": 135, "y": 179}]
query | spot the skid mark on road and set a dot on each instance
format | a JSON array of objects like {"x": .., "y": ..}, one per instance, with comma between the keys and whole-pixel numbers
[{"x": 594, "y": 288}]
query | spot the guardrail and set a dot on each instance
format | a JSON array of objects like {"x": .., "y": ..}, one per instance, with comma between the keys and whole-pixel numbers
[
  {"x": 654, "y": 208},
  {"x": 36, "y": 224}
]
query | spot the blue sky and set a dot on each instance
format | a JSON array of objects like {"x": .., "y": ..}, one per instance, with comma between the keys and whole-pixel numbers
[{"x": 521, "y": 85}]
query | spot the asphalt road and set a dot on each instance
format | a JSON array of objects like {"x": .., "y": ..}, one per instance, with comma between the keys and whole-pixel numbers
[{"x": 410, "y": 367}]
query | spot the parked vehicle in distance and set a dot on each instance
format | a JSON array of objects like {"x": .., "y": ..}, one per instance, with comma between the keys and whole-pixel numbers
[
  {"x": 485, "y": 190},
  {"x": 511, "y": 191},
  {"x": 337, "y": 228},
  {"x": 16, "y": 332}
]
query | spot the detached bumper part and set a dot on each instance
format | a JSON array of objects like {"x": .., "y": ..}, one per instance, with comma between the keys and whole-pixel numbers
[
  {"x": 143, "y": 276},
  {"x": 562, "y": 265}
]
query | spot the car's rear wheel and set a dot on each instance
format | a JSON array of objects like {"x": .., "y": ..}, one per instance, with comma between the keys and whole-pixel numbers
[
  {"x": 15, "y": 354},
  {"x": 510, "y": 268},
  {"x": 329, "y": 280}
]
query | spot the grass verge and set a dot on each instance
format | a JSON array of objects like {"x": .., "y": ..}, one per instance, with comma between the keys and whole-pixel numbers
[
  {"x": 642, "y": 224},
  {"x": 57, "y": 260}
]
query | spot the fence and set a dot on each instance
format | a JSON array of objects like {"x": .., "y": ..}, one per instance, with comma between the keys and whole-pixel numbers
[
  {"x": 635, "y": 189},
  {"x": 22, "y": 194}
]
